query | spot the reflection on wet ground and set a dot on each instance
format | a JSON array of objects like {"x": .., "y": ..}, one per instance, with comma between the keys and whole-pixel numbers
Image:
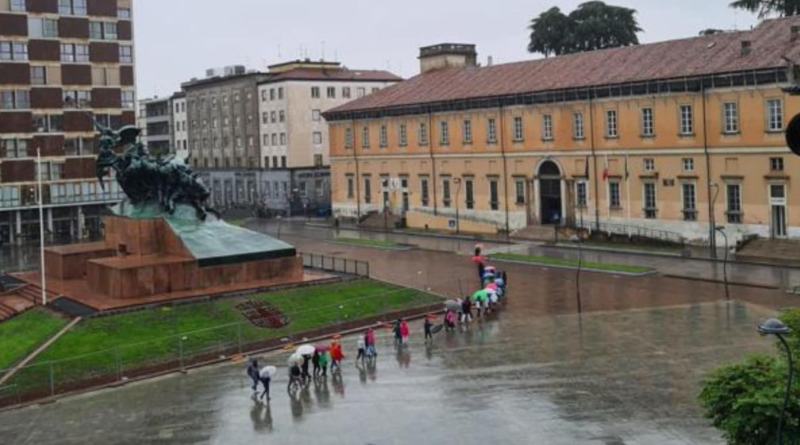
[{"x": 602, "y": 378}]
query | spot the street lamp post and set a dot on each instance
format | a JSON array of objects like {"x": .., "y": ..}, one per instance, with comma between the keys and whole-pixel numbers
[
  {"x": 775, "y": 327},
  {"x": 458, "y": 191},
  {"x": 721, "y": 230}
]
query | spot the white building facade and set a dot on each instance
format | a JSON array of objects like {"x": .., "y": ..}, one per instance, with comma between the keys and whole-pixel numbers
[{"x": 180, "y": 129}]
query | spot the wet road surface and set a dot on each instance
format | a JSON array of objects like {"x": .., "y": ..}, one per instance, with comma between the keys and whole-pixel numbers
[{"x": 610, "y": 378}]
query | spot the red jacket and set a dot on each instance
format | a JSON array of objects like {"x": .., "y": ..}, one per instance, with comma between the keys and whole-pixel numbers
[{"x": 404, "y": 329}]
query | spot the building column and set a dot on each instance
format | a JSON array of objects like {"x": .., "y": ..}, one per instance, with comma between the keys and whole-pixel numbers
[
  {"x": 17, "y": 229},
  {"x": 81, "y": 222}
]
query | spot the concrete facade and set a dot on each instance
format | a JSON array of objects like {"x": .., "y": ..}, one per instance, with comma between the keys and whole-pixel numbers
[
  {"x": 155, "y": 121},
  {"x": 180, "y": 130},
  {"x": 59, "y": 61}
]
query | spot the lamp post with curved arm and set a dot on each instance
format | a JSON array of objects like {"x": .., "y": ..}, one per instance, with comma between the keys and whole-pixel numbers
[{"x": 775, "y": 327}]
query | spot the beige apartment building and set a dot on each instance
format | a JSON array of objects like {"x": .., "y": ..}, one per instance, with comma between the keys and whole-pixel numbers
[{"x": 682, "y": 136}]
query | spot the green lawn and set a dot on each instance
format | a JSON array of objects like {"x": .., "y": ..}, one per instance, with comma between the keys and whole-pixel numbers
[
  {"x": 632, "y": 246},
  {"x": 155, "y": 336},
  {"x": 369, "y": 243},
  {"x": 22, "y": 334},
  {"x": 550, "y": 261}
]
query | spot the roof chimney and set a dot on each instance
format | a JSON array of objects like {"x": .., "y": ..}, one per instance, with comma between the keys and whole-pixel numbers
[
  {"x": 490, "y": 61},
  {"x": 747, "y": 47},
  {"x": 447, "y": 55},
  {"x": 795, "y": 30}
]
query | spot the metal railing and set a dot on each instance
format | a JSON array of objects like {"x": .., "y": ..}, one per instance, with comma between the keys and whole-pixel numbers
[
  {"x": 47, "y": 379},
  {"x": 645, "y": 233},
  {"x": 336, "y": 265}
]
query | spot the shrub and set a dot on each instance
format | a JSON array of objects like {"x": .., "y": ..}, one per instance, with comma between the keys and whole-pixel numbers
[{"x": 744, "y": 400}]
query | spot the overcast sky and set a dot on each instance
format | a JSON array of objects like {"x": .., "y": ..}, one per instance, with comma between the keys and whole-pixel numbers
[{"x": 178, "y": 39}]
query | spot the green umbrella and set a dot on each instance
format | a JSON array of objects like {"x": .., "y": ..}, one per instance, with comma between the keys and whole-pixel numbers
[{"x": 481, "y": 295}]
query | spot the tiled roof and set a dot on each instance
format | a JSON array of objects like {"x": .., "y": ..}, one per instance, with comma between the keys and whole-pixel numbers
[
  {"x": 715, "y": 54},
  {"x": 338, "y": 74}
]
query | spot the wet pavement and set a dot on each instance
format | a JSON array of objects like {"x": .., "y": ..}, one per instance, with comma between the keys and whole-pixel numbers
[{"x": 609, "y": 378}]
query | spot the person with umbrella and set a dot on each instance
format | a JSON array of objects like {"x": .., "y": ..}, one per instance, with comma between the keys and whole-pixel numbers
[
  {"x": 295, "y": 373},
  {"x": 315, "y": 363},
  {"x": 466, "y": 310},
  {"x": 428, "y": 329},
  {"x": 369, "y": 339},
  {"x": 265, "y": 376},
  {"x": 404, "y": 332},
  {"x": 336, "y": 355},
  {"x": 306, "y": 351},
  {"x": 398, "y": 335},
  {"x": 324, "y": 358}
]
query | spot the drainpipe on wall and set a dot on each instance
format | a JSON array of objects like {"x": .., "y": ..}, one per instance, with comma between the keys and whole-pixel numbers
[
  {"x": 594, "y": 162},
  {"x": 433, "y": 162},
  {"x": 358, "y": 173},
  {"x": 711, "y": 220},
  {"x": 505, "y": 167}
]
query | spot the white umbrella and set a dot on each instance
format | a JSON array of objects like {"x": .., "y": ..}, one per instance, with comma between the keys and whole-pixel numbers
[
  {"x": 452, "y": 305},
  {"x": 295, "y": 359},
  {"x": 268, "y": 371},
  {"x": 306, "y": 350}
]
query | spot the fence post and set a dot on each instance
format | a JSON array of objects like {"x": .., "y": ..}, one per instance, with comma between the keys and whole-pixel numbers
[
  {"x": 52, "y": 380},
  {"x": 239, "y": 336},
  {"x": 119, "y": 363},
  {"x": 367, "y": 269},
  {"x": 180, "y": 352}
]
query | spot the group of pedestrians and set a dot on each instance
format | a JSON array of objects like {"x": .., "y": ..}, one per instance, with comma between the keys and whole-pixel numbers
[{"x": 260, "y": 375}]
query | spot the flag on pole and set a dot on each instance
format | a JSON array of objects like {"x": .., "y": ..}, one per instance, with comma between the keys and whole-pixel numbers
[
  {"x": 586, "y": 173},
  {"x": 605, "y": 169},
  {"x": 627, "y": 173}
]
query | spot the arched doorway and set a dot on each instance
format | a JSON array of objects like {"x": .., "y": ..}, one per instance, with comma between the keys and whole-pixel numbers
[{"x": 550, "y": 196}]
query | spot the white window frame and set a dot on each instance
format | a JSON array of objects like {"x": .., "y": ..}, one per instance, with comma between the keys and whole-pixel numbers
[
  {"x": 688, "y": 164},
  {"x": 402, "y": 135},
  {"x": 578, "y": 131},
  {"x": 444, "y": 133},
  {"x": 730, "y": 117},
  {"x": 547, "y": 127},
  {"x": 612, "y": 126},
  {"x": 581, "y": 194},
  {"x": 491, "y": 130},
  {"x": 466, "y": 131},
  {"x": 654, "y": 207},
  {"x": 686, "y": 117},
  {"x": 649, "y": 164},
  {"x": 519, "y": 129},
  {"x": 689, "y": 212},
  {"x": 647, "y": 122},
  {"x": 774, "y": 107},
  {"x": 612, "y": 185},
  {"x": 384, "y": 136},
  {"x": 734, "y": 216},
  {"x": 423, "y": 133}
]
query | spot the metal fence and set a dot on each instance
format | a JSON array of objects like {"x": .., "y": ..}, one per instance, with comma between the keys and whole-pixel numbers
[
  {"x": 48, "y": 379},
  {"x": 336, "y": 265}
]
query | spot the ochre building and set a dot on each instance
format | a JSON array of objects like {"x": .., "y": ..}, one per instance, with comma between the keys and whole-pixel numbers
[{"x": 682, "y": 136}]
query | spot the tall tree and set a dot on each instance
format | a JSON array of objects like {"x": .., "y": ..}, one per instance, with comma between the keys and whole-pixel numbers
[
  {"x": 551, "y": 33},
  {"x": 593, "y": 25},
  {"x": 766, "y": 8}
]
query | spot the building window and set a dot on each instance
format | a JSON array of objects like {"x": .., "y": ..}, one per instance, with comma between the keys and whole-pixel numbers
[
  {"x": 42, "y": 28},
  {"x": 613, "y": 195},
  {"x": 648, "y": 129},
  {"x": 367, "y": 190},
  {"x": 580, "y": 194},
  {"x": 283, "y": 138},
  {"x": 491, "y": 131},
  {"x": 689, "y": 191},
  {"x": 348, "y": 138},
  {"x": 264, "y": 118},
  {"x": 687, "y": 120},
  {"x": 315, "y": 92},
  {"x": 494, "y": 195},
  {"x": 384, "y": 136},
  {"x": 13, "y": 51},
  {"x": 315, "y": 115},
  {"x": 444, "y": 136},
  {"x": 346, "y": 92},
  {"x": 446, "y": 192},
  {"x": 14, "y": 99},
  {"x": 38, "y": 75},
  {"x": 776, "y": 164},
  {"x": 424, "y": 192},
  {"x": 72, "y": 7},
  {"x": 280, "y": 93},
  {"x": 283, "y": 161},
  {"x": 650, "y": 206},
  {"x": 361, "y": 92},
  {"x": 611, "y": 124},
  {"x": 577, "y": 125},
  {"x": 375, "y": 89},
  {"x": 271, "y": 93},
  {"x": 649, "y": 164},
  {"x": 18, "y": 6},
  {"x": 14, "y": 148},
  {"x": 351, "y": 186},
  {"x": 331, "y": 92},
  {"x": 403, "y": 135},
  {"x": 547, "y": 127},
  {"x": 365, "y": 137},
  {"x": 519, "y": 131},
  {"x": 96, "y": 30},
  {"x": 774, "y": 115},
  {"x": 273, "y": 117},
  {"x": 423, "y": 133},
  {"x": 317, "y": 138},
  {"x": 282, "y": 116},
  {"x": 48, "y": 123},
  {"x": 466, "y": 131},
  {"x": 688, "y": 164},
  {"x": 318, "y": 160},
  {"x": 266, "y": 142},
  {"x": 520, "y": 190},
  {"x": 734, "y": 199},
  {"x": 730, "y": 117},
  {"x": 125, "y": 54},
  {"x": 129, "y": 101},
  {"x": 110, "y": 31},
  {"x": 469, "y": 187},
  {"x": 124, "y": 13}
]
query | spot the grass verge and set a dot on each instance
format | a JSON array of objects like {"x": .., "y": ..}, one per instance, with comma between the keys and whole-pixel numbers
[
  {"x": 104, "y": 346},
  {"x": 23, "y": 333},
  {"x": 550, "y": 261},
  {"x": 370, "y": 243}
]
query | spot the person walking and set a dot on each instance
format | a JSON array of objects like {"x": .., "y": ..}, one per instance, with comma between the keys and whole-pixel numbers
[
  {"x": 370, "y": 341},
  {"x": 362, "y": 348},
  {"x": 324, "y": 358},
  {"x": 336, "y": 355},
  {"x": 265, "y": 377},
  {"x": 404, "y": 332},
  {"x": 252, "y": 372},
  {"x": 315, "y": 363},
  {"x": 306, "y": 374},
  {"x": 466, "y": 310},
  {"x": 398, "y": 335},
  {"x": 295, "y": 376},
  {"x": 429, "y": 328}
]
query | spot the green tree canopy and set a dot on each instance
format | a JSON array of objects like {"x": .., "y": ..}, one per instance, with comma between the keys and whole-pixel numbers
[
  {"x": 765, "y": 8},
  {"x": 593, "y": 25}
]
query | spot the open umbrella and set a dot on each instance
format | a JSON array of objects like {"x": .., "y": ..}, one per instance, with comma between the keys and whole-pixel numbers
[
  {"x": 490, "y": 269},
  {"x": 268, "y": 371},
  {"x": 452, "y": 305},
  {"x": 481, "y": 295},
  {"x": 295, "y": 359},
  {"x": 491, "y": 286},
  {"x": 306, "y": 350},
  {"x": 436, "y": 329},
  {"x": 322, "y": 347}
]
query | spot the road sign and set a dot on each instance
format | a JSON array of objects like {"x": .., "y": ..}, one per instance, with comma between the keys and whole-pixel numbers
[{"x": 452, "y": 224}]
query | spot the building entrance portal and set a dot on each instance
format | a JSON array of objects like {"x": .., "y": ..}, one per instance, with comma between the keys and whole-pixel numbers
[{"x": 550, "y": 196}]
